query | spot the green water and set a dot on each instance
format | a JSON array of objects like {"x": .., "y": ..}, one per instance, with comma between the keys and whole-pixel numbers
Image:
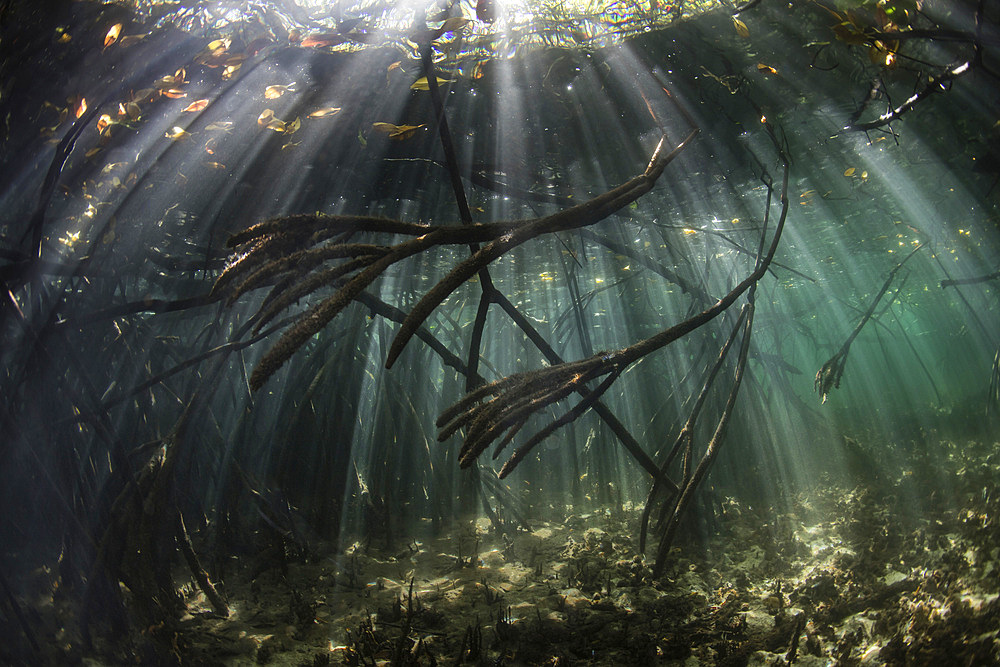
[{"x": 125, "y": 377}]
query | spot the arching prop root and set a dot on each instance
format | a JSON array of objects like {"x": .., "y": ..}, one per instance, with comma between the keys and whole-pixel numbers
[
  {"x": 281, "y": 253},
  {"x": 517, "y": 397}
]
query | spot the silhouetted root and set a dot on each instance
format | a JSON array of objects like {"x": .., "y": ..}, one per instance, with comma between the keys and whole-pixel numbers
[
  {"x": 279, "y": 252},
  {"x": 829, "y": 375}
]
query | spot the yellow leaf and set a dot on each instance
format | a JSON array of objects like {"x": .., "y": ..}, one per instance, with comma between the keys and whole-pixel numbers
[
  {"x": 766, "y": 69},
  {"x": 265, "y": 116},
  {"x": 176, "y": 133},
  {"x": 112, "y": 35},
  {"x": 82, "y": 107},
  {"x": 741, "y": 28},
  {"x": 174, "y": 93},
  {"x": 292, "y": 128},
  {"x": 276, "y": 125},
  {"x": 64, "y": 38},
  {"x": 849, "y": 172},
  {"x": 216, "y": 165},
  {"x": 222, "y": 125},
  {"x": 689, "y": 232},
  {"x": 423, "y": 84},
  {"x": 397, "y": 132},
  {"x": 324, "y": 112}
]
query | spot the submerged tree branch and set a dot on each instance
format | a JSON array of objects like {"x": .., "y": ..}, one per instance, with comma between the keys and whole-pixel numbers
[
  {"x": 517, "y": 397},
  {"x": 828, "y": 376},
  {"x": 269, "y": 244}
]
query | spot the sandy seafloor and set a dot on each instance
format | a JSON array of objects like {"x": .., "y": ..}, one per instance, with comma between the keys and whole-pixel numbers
[{"x": 899, "y": 570}]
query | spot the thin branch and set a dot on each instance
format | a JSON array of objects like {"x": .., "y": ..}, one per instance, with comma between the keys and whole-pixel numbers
[
  {"x": 829, "y": 375},
  {"x": 935, "y": 84}
]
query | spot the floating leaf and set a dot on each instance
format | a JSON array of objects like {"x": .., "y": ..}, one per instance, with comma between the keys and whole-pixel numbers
[
  {"x": 81, "y": 108},
  {"x": 176, "y": 133},
  {"x": 129, "y": 40},
  {"x": 423, "y": 84},
  {"x": 689, "y": 232},
  {"x": 218, "y": 46},
  {"x": 741, "y": 28},
  {"x": 216, "y": 165},
  {"x": 276, "y": 91},
  {"x": 174, "y": 93},
  {"x": 849, "y": 172},
  {"x": 766, "y": 69},
  {"x": 144, "y": 95},
  {"x": 112, "y": 35},
  {"x": 396, "y": 65},
  {"x": 130, "y": 109},
  {"x": 324, "y": 112},
  {"x": 222, "y": 125},
  {"x": 397, "y": 132},
  {"x": 64, "y": 38},
  {"x": 103, "y": 122},
  {"x": 197, "y": 105},
  {"x": 276, "y": 125},
  {"x": 293, "y": 127},
  {"x": 265, "y": 116}
]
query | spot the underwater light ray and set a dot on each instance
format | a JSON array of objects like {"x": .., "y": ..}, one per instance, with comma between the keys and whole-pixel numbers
[
  {"x": 546, "y": 386},
  {"x": 581, "y": 215},
  {"x": 692, "y": 480}
]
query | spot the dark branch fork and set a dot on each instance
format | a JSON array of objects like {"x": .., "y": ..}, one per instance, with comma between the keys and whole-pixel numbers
[{"x": 281, "y": 248}]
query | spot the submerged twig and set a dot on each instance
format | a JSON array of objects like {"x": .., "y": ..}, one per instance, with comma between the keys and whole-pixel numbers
[{"x": 829, "y": 375}]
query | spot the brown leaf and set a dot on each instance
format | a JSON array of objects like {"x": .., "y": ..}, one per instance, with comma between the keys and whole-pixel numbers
[
  {"x": 197, "y": 105},
  {"x": 741, "y": 28}
]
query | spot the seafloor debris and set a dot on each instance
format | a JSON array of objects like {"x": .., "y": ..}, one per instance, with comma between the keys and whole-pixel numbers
[{"x": 889, "y": 572}]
